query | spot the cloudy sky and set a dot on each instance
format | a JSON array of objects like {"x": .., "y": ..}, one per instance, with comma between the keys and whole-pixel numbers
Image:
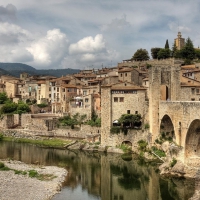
[{"x": 91, "y": 33}]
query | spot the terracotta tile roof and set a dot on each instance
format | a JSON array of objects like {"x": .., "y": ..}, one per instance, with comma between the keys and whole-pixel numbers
[
  {"x": 188, "y": 67},
  {"x": 125, "y": 70},
  {"x": 134, "y": 87},
  {"x": 41, "y": 82},
  {"x": 184, "y": 84}
]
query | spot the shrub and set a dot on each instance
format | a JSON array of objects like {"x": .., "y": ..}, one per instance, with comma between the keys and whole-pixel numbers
[
  {"x": 1, "y": 136},
  {"x": 3, "y": 97},
  {"x": 142, "y": 145},
  {"x": 173, "y": 162},
  {"x": 42, "y": 105},
  {"x": 125, "y": 148},
  {"x": 3, "y": 167},
  {"x": 158, "y": 152},
  {"x": 9, "y": 108},
  {"x": 33, "y": 173},
  {"x": 115, "y": 130},
  {"x": 146, "y": 126}
]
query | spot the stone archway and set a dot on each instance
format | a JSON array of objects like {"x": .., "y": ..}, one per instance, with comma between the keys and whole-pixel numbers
[
  {"x": 192, "y": 142},
  {"x": 167, "y": 130}
]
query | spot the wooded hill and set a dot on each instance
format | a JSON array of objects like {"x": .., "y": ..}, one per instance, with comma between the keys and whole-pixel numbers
[{"x": 15, "y": 69}]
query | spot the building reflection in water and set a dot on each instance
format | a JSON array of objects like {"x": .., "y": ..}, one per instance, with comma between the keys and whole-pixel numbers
[{"x": 105, "y": 177}]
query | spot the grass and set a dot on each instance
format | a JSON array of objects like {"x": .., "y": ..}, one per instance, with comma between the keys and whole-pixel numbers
[
  {"x": 31, "y": 173},
  {"x": 125, "y": 148},
  {"x": 3, "y": 167},
  {"x": 58, "y": 143},
  {"x": 42, "y": 177}
]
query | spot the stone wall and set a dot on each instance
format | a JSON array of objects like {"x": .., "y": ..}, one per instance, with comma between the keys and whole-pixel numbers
[
  {"x": 189, "y": 94},
  {"x": 42, "y": 123},
  {"x": 133, "y": 102},
  {"x": 7, "y": 121},
  {"x": 132, "y": 136},
  {"x": 85, "y": 132},
  {"x": 106, "y": 104},
  {"x": 170, "y": 61}
]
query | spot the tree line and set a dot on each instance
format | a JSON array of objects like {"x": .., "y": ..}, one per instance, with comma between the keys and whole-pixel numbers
[{"x": 188, "y": 53}]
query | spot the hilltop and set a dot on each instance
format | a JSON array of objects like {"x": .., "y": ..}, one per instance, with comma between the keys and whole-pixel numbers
[{"x": 15, "y": 69}]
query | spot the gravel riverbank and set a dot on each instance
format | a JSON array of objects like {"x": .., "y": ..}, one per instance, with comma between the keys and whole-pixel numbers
[{"x": 17, "y": 186}]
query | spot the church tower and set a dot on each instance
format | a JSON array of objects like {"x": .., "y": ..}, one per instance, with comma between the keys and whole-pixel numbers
[{"x": 179, "y": 41}]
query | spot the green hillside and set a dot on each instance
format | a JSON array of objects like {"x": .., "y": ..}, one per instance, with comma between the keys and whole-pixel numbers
[{"x": 15, "y": 69}]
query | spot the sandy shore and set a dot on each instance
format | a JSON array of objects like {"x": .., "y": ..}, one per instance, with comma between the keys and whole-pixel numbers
[{"x": 14, "y": 186}]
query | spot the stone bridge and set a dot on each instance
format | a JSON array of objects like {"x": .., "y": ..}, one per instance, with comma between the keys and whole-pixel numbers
[{"x": 182, "y": 121}]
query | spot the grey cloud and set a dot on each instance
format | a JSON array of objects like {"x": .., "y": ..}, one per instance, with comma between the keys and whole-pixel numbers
[
  {"x": 116, "y": 24},
  {"x": 8, "y": 13}
]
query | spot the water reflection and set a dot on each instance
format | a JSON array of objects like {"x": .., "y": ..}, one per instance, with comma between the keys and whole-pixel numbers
[{"x": 95, "y": 176}]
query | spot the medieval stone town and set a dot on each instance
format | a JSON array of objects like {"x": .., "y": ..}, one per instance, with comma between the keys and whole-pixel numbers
[{"x": 164, "y": 93}]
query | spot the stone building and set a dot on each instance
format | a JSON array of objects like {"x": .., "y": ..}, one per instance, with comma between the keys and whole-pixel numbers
[{"x": 118, "y": 99}]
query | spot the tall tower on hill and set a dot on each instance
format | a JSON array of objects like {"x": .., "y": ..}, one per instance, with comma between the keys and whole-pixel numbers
[{"x": 179, "y": 41}]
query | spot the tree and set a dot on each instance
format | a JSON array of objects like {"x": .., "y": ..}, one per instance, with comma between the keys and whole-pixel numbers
[
  {"x": 164, "y": 53},
  {"x": 167, "y": 45},
  {"x": 129, "y": 119},
  {"x": 140, "y": 54},
  {"x": 79, "y": 119},
  {"x": 9, "y": 108},
  {"x": 154, "y": 52},
  {"x": 23, "y": 108},
  {"x": 174, "y": 50},
  {"x": 188, "y": 51},
  {"x": 3, "y": 97},
  {"x": 197, "y": 53}
]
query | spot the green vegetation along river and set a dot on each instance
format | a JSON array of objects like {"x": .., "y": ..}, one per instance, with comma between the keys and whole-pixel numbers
[{"x": 93, "y": 176}]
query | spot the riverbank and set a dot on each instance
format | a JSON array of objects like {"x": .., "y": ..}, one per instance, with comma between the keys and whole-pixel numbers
[{"x": 16, "y": 183}]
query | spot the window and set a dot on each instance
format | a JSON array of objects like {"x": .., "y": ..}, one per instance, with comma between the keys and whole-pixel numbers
[
  {"x": 136, "y": 112},
  {"x": 193, "y": 99},
  {"x": 125, "y": 74},
  {"x": 121, "y": 99},
  {"x": 63, "y": 89},
  {"x": 86, "y": 100},
  {"x": 197, "y": 90},
  {"x": 49, "y": 89},
  {"x": 128, "y": 112},
  {"x": 115, "y": 99},
  {"x": 49, "y": 95},
  {"x": 57, "y": 89},
  {"x": 193, "y": 90},
  {"x": 121, "y": 75},
  {"x": 85, "y": 92},
  {"x": 54, "y": 88}
]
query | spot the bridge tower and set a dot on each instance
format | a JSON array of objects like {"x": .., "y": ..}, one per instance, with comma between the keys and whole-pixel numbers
[{"x": 164, "y": 85}]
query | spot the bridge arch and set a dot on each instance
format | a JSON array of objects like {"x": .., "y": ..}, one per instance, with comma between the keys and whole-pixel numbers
[
  {"x": 167, "y": 128},
  {"x": 192, "y": 141}
]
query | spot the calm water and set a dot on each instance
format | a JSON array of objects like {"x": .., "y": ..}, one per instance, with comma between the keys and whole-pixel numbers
[{"x": 93, "y": 176}]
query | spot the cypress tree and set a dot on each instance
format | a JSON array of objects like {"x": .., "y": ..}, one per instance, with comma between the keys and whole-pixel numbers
[{"x": 167, "y": 45}]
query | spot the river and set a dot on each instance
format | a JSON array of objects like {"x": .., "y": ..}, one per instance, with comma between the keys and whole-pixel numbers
[{"x": 94, "y": 176}]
